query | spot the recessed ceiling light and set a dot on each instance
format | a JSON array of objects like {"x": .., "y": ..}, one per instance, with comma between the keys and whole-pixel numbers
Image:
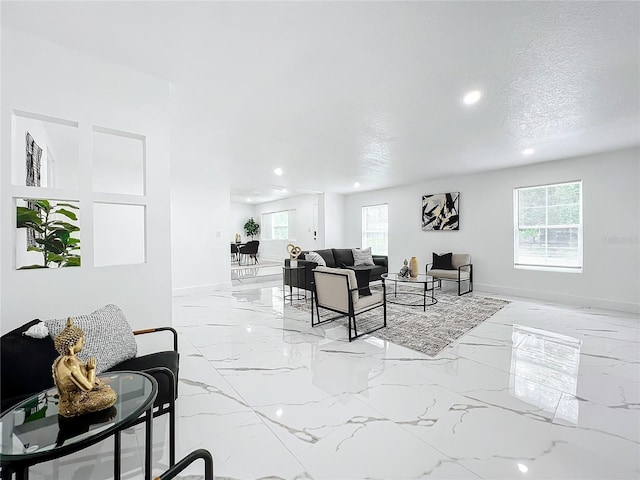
[
  {"x": 278, "y": 171},
  {"x": 356, "y": 184},
  {"x": 248, "y": 199},
  {"x": 527, "y": 151},
  {"x": 523, "y": 468},
  {"x": 472, "y": 97}
]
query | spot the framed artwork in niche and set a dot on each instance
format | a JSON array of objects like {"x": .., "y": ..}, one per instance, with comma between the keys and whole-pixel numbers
[{"x": 441, "y": 211}]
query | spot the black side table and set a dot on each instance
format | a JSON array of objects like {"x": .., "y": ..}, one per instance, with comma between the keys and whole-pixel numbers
[
  {"x": 301, "y": 283},
  {"x": 33, "y": 432}
]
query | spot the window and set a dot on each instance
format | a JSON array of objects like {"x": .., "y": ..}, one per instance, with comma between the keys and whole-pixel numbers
[
  {"x": 280, "y": 225},
  {"x": 375, "y": 229},
  {"x": 548, "y": 226},
  {"x": 277, "y": 225}
]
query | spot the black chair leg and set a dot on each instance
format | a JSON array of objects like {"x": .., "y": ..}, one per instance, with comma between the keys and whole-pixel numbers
[
  {"x": 188, "y": 460},
  {"x": 172, "y": 434}
]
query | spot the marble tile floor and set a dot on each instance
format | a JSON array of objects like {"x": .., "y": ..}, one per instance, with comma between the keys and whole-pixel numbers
[{"x": 538, "y": 391}]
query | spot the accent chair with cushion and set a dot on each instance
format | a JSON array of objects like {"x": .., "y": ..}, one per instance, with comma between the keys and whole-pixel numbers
[
  {"x": 25, "y": 361},
  {"x": 336, "y": 289},
  {"x": 452, "y": 267}
]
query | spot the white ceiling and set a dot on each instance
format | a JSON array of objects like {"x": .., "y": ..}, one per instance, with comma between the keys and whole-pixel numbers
[{"x": 371, "y": 92}]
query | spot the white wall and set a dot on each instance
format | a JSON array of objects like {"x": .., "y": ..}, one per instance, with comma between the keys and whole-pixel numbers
[
  {"x": 90, "y": 92},
  {"x": 200, "y": 196},
  {"x": 239, "y": 213},
  {"x": 611, "y": 206},
  {"x": 334, "y": 221},
  {"x": 302, "y": 232}
]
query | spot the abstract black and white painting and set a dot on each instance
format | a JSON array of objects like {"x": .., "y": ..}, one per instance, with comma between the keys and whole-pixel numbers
[
  {"x": 33, "y": 157},
  {"x": 441, "y": 211}
]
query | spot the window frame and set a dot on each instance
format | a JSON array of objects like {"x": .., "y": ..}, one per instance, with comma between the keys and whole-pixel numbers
[
  {"x": 363, "y": 231},
  {"x": 547, "y": 226}
]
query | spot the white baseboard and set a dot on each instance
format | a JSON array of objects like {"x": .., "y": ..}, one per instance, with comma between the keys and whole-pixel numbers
[
  {"x": 573, "y": 300},
  {"x": 214, "y": 287}
]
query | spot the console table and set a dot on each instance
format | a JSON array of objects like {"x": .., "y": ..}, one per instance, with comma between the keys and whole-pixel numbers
[{"x": 33, "y": 432}]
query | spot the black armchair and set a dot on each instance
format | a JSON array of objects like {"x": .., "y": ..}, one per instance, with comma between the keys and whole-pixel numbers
[
  {"x": 251, "y": 249},
  {"x": 25, "y": 369}
]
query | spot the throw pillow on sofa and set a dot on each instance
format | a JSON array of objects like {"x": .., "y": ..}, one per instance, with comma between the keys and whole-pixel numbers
[
  {"x": 107, "y": 336},
  {"x": 362, "y": 256},
  {"x": 315, "y": 257}
]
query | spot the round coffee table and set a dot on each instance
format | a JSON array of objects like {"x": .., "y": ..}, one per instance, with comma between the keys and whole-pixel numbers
[
  {"x": 426, "y": 283},
  {"x": 33, "y": 432}
]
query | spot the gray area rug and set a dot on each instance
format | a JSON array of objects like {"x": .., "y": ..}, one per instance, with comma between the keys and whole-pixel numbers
[{"x": 427, "y": 332}]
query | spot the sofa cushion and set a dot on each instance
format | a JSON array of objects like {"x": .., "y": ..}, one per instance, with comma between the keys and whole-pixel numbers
[
  {"x": 366, "y": 302},
  {"x": 25, "y": 365},
  {"x": 362, "y": 256},
  {"x": 108, "y": 336},
  {"x": 343, "y": 256},
  {"x": 459, "y": 259},
  {"x": 376, "y": 271},
  {"x": 448, "y": 274},
  {"x": 442, "y": 262},
  {"x": 327, "y": 254}
]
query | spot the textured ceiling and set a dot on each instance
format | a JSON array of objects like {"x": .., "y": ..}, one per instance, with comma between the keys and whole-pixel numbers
[{"x": 371, "y": 92}]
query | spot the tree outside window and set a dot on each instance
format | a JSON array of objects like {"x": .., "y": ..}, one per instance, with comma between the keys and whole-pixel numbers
[{"x": 548, "y": 226}]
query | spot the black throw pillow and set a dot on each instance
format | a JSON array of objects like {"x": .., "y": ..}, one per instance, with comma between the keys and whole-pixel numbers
[
  {"x": 442, "y": 262},
  {"x": 362, "y": 279}
]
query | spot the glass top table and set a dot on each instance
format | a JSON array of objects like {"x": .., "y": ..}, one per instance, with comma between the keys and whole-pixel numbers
[
  {"x": 33, "y": 431},
  {"x": 426, "y": 283}
]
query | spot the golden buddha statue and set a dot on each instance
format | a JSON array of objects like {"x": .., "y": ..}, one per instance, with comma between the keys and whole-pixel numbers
[{"x": 79, "y": 389}]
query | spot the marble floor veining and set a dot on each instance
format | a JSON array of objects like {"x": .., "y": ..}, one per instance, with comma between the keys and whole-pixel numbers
[{"x": 538, "y": 391}]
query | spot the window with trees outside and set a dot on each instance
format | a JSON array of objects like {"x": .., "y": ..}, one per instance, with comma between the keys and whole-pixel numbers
[
  {"x": 548, "y": 227},
  {"x": 275, "y": 225},
  {"x": 375, "y": 229}
]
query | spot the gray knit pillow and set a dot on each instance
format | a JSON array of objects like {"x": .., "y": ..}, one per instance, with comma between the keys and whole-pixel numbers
[
  {"x": 362, "y": 256},
  {"x": 107, "y": 336}
]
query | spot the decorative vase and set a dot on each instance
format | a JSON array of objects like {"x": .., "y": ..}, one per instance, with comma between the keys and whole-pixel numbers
[{"x": 413, "y": 267}]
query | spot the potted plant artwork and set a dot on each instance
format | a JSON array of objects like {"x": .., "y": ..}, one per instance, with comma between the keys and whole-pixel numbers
[{"x": 52, "y": 230}]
